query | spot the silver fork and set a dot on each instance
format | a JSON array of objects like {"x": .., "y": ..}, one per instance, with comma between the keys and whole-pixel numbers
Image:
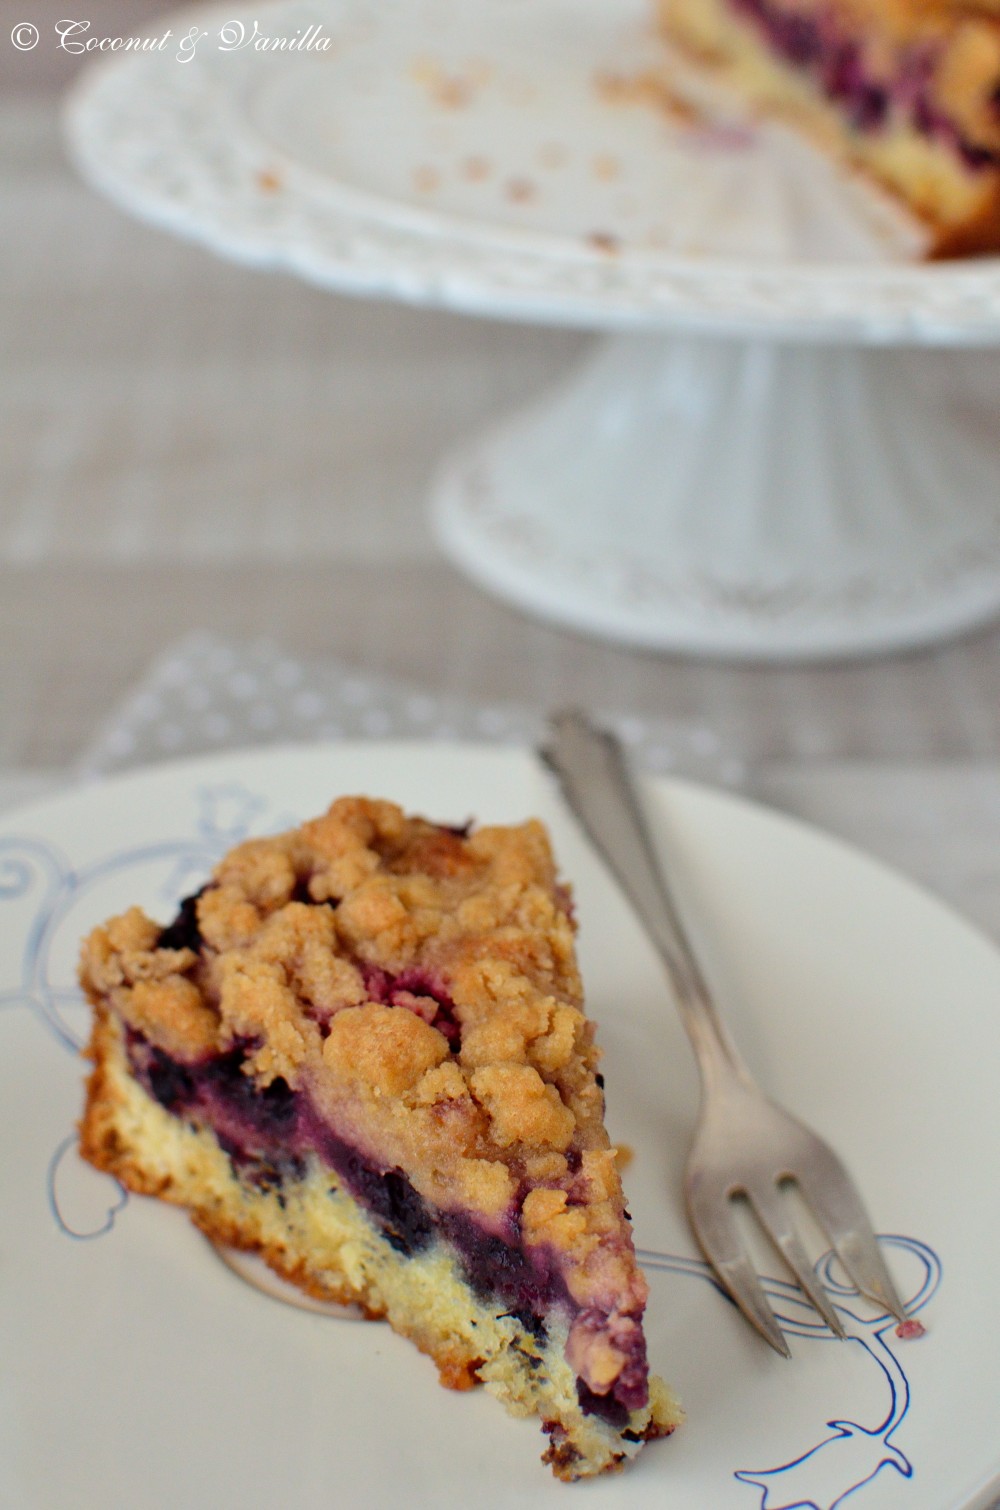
[{"x": 745, "y": 1145}]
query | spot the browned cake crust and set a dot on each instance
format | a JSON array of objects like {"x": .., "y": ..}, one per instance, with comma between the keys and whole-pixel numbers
[
  {"x": 373, "y": 1006},
  {"x": 906, "y": 90}
]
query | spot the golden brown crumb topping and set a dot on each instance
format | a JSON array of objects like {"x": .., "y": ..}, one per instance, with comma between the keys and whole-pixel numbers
[{"x": 426, "y": 996}]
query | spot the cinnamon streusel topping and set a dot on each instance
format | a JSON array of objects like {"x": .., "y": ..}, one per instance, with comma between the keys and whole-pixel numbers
[{"x": 420, "y": 986}]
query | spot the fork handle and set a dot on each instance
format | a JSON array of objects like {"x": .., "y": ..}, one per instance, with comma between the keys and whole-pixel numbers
[{"x": 594, "y": 777}]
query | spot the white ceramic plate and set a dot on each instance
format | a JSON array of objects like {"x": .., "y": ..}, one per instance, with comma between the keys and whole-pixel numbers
[
  {"x": 137, "y": 1371},
  {"x": 468, "y": 155}
]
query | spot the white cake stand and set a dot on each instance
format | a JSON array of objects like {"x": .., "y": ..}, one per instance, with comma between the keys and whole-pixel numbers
[{"x": 785, "y": 448}]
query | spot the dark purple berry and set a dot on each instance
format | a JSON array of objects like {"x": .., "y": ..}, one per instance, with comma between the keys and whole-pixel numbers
[{"x": 183, "y": 932}]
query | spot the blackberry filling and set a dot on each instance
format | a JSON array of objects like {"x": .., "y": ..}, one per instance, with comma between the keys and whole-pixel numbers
[
  {"x": 265, "y": 1132},
  {"x": 501, "y": 1270},
  {"x": 411, "y": 989},
  {"x": 167, "y": 1081},
  {"x": 457, "y": 830},
  {"x": 498, "y": 1271},
  {"x": 388, "y": 1196},
  {"x": 269, "y": 1111},
  {"x": 606, "y": 1407},
  {"x": 301, "y": 893},
  {"x": 531, "y": 1323},
  {"x": 251, "y": 1124},
  {"x": 262, "y": 1174},
  {"x": 183, "y": 932}
]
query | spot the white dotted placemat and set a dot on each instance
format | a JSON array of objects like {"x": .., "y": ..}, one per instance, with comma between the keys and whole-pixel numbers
[{"x": 206, "y": 694}]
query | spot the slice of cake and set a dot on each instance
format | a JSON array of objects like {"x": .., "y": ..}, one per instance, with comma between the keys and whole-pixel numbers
[
  {"x": 908, "y": 90},
  {"x": 360, "y": 1051}
]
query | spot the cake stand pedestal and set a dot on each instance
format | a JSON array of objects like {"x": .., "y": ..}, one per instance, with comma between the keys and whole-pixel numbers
[{"x": 742, "y": 499}]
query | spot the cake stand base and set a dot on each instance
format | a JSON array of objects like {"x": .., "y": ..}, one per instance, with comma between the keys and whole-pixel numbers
[{"x": 742, "y": 499}]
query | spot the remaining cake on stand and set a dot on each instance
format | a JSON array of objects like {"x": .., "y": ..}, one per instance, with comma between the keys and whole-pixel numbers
[
  {"x": 360, "y": 1051},
  {"x": 908, "y": 90}
]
